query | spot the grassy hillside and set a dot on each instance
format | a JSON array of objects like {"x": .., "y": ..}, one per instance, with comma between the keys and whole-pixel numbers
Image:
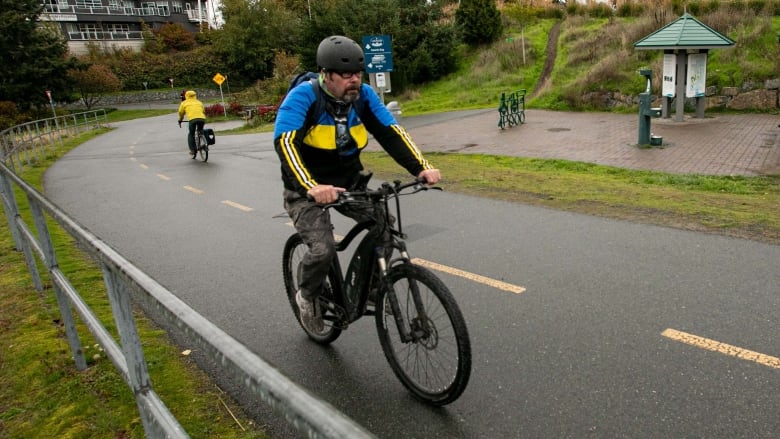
[{"x": 594, "y": 54}]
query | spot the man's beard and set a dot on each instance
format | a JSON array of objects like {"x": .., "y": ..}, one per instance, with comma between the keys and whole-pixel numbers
[{"x": 351, "y": 95}]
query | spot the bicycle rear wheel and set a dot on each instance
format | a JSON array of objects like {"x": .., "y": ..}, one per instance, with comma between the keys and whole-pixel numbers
[
  {"x": 436, "y": 364},
  {"x": 292, "y": 256},
  {"x": 203, "y": 147}
]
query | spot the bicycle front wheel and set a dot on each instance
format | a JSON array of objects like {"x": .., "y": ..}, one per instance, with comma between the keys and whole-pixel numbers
[
  {"x": 435, "y": 364},
  {"x": 292, "y": 257}
]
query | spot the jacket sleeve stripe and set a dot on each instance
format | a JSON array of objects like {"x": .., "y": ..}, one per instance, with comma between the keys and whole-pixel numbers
[
  {"x": 407, "y": 139},
  {"x": 294, "y": 162}
]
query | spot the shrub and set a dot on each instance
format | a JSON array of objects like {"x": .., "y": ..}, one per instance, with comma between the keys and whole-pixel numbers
[
  {"x": 215, "y": 110},
  {"x": 235, "y": 108},
  {"x": 267, "y": 113}
]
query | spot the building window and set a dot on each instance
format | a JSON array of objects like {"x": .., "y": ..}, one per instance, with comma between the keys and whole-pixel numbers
[
  {"x": 176, "y": 7},
  {"x": 163, "y": 9},
  {"x": 90, "y": 31},
  {"x": 118, "y": 27},
  {"x": 88, "y": 4}
]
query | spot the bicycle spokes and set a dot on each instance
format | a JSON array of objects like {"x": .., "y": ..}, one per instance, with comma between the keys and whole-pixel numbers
[{"x": 429, "y": 350}]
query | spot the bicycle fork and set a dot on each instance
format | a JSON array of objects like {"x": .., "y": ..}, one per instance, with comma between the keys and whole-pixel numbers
[{"x": 418, "y": 327}]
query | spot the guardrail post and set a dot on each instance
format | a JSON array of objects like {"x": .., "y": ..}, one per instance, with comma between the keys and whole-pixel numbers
[
  {"x": 9, "y": 206},
  {"x": 12, "y": 213},
  {"x": 137, "y": 371},
  {"x": 50, "y": 259}
]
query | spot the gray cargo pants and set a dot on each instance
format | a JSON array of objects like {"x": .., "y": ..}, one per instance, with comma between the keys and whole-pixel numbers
[{"x": 314, "y": 225}]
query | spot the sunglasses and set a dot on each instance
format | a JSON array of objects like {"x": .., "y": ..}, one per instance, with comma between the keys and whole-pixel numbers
[{"x": 347, "y": 75}]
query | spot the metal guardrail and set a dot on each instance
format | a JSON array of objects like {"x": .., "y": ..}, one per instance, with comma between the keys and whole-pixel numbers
[
  {"x": 20, "y": 144},
  {"x": 123, "y": 281}
]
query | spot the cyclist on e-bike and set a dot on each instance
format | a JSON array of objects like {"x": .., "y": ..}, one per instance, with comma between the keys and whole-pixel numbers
[
  {"x": 196, "y": 117},
  {"x": 322, "y": 160}
]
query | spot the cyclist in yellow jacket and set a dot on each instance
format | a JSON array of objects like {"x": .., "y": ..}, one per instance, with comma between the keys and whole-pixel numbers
[{"x": 196, "y": 116}]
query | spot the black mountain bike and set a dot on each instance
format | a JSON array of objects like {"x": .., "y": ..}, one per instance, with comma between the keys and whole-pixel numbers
[
  {"x": 420, "y": 327},
  {"x": 201, "y": 144}
]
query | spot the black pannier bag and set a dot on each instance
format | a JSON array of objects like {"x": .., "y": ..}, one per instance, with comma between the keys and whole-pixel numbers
[{"x": 210, "y": 137}]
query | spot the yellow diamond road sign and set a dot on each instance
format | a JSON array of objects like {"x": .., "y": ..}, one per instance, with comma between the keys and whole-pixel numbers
[{"x": 218, "y": 78}]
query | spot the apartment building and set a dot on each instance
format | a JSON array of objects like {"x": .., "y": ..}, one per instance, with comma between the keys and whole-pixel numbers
[{"x": 117, "y": 23}]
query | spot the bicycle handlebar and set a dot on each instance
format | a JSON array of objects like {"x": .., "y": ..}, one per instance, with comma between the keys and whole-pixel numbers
[{"x": 385, "y": 190}]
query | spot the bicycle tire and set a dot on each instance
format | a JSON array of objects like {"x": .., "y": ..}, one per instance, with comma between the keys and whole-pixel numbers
[
  {"x": 203, "y": 147},
  {"x": 292, "y": 256},
  {"x": 435, "y": 368}
]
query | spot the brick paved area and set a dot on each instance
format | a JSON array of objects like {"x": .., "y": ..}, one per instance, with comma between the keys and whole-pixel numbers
[{"x": 717, "y": 144}]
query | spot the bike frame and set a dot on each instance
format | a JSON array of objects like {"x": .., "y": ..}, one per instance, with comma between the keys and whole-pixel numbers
[{"x": 354, "y": 285}]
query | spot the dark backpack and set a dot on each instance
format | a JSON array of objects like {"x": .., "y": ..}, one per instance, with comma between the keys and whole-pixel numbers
[{"x": 318, "y": 107}]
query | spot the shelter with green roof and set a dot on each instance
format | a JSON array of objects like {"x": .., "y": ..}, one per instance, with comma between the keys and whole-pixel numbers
[{"x": 685, "y": 42}]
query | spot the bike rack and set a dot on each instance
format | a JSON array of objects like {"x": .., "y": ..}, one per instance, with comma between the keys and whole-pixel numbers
[{"x": 511, "y": 109}]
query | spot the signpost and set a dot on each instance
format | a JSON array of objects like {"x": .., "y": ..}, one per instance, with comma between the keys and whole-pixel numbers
[
  {"x": 219, "y": 79},
  {"x": 378, "y": 53},
  {"x": 51, "y": 102}
]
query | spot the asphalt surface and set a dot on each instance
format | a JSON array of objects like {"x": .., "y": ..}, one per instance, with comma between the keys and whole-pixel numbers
[{"x": 623, "y": 330}]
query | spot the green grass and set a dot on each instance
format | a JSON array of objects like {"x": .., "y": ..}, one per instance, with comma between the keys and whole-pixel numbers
[
  {"x": 121, "y": 115},
  {"x": 42, "y": 395},
  {"x": 745, "y": 207}
]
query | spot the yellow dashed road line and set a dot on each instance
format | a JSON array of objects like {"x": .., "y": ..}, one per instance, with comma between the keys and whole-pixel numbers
[
  {"x": 163, "y": 177},
  {"x": 722, "y": 348},
  {"x": 194, "y": 190},
  {"x": 237, "y": 206},
  {"x": 456, "y": 272},
  {"x": 143, "y": 166},
  {"x": 471, "y": 276}
]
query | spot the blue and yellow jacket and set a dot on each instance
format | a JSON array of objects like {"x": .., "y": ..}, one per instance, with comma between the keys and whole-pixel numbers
[{"x": 311, "y": 158}]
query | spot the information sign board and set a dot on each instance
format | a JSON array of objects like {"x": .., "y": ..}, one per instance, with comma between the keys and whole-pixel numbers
[{"x": 378, "y": 53}]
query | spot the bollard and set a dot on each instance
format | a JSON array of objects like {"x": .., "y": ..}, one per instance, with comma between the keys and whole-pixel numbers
[
  {"x": 645, "y": 111},
  {"x": 395, "y": 110}
]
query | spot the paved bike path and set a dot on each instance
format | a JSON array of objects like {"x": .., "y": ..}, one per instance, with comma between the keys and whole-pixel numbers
[
  {"x": 580, "y": 353},
  {"x": 718, "y": 144}
]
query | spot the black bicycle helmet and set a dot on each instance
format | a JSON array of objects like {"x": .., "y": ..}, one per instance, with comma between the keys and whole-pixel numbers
[{"x": 337, "y": 53}]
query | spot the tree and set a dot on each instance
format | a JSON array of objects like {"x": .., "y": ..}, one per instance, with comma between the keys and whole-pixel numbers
[
  {"x": 33, "y": 56},
  {"x": 93, "y": 82},
  {"x": 253, "y": 32},
  {"x": 424, "y": 46},
  {"x": 479, "y": 21},
  {"x": 175, "y": 37}
]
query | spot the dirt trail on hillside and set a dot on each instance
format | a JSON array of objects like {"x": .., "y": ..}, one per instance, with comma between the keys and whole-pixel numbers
[{"x": 551, "y": 52}]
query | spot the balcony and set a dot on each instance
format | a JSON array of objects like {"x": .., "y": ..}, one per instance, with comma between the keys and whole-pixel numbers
[
  {"x": 105, "y": 36},
  {"x": 195, "y": 17},
  {"x": 161, "y": 11}
]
